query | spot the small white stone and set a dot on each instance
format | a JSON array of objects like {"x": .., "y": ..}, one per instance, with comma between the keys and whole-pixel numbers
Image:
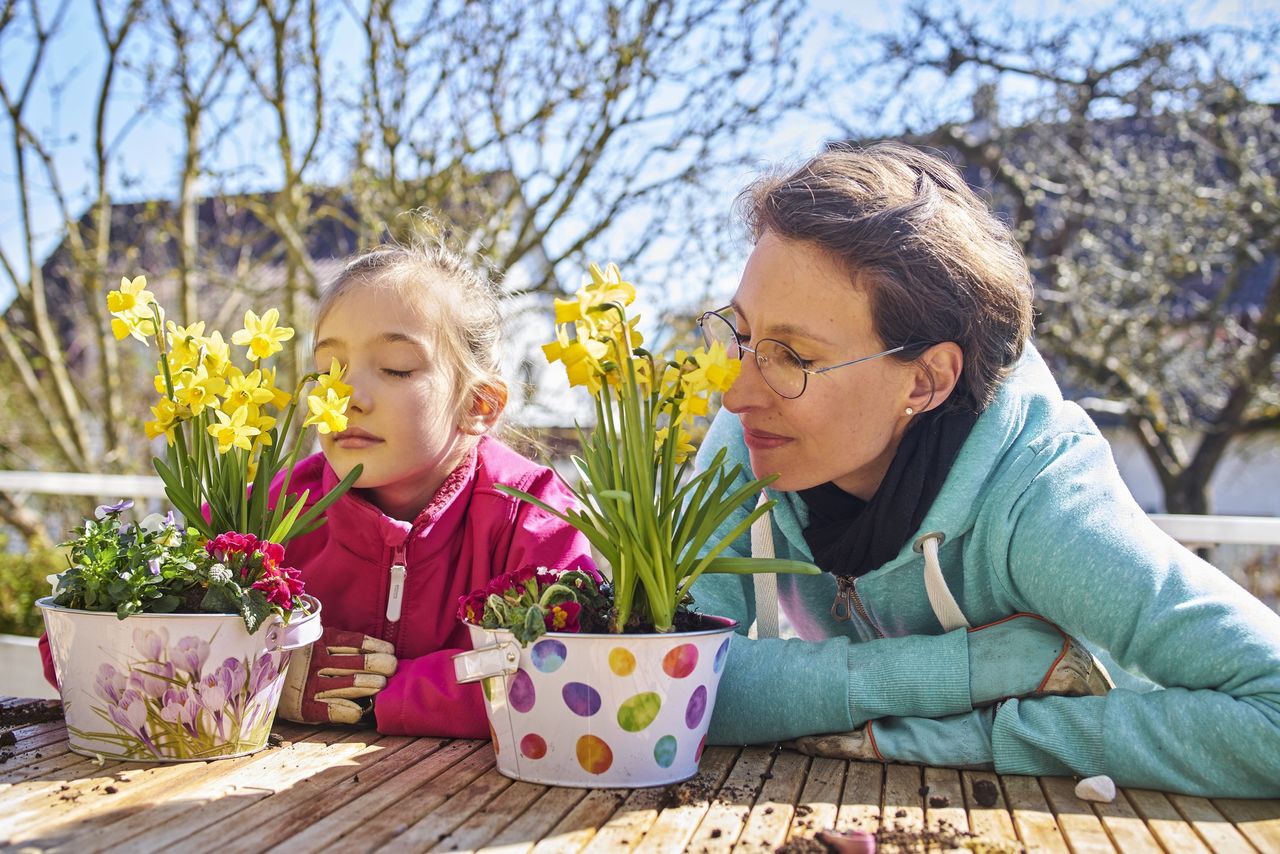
[{"x": 1101, "y": 789}]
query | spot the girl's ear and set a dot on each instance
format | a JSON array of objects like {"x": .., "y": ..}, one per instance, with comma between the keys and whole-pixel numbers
[
  {"x": 488, "y": 399},
  {"x": 936, "y": 373}
]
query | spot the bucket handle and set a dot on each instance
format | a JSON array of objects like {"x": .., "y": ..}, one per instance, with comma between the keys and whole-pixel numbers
[
  {"x": 499, "y": 659},
  {"x": 280, "y": 639}
]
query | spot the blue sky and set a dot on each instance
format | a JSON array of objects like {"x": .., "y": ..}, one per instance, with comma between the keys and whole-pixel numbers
[{"x": 151, "y": 162}]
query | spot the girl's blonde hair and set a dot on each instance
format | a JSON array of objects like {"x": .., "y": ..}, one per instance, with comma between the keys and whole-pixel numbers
[{"x": 441, "y": 282}]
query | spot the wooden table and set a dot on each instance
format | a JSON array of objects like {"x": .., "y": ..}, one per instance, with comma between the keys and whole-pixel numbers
[{"x": 355, "y": 790}]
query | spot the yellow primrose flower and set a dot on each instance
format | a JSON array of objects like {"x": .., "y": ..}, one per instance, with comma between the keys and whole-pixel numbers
[
  {"x": 333, "y": 380},
  {"x": 245, "y": 389},
  {"x": 328, "y": 412},
  {"x": 232, "y": 430},
  {"x": 197, "y": 389},
  {"x": 261, "y": 335}
]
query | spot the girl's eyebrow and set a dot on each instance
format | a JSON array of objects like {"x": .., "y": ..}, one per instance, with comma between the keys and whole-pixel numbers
[
  {"x": 384, "y": 338},
  {"x": 787, "y": 329}
]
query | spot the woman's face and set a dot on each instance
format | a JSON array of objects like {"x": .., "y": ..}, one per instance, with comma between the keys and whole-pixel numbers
[
  {"x": 403, "y": 416},
  {"x": 847, "y": 424}
]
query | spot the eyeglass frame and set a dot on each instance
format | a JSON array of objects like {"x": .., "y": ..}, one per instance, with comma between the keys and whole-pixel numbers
[{"x": 737, "y": 337}]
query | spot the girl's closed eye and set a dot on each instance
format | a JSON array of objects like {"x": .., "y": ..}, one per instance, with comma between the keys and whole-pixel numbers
[{"x": 398, "y": 374}]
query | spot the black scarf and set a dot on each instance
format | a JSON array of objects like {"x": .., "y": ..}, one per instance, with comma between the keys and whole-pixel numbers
[{"x": 851, "y": 537}]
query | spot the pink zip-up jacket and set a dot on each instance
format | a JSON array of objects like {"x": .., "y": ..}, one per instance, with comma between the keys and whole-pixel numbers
[{"x": 400, "y": 581}]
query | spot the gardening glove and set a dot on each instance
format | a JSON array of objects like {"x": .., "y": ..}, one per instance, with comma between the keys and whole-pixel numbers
[
  {"x": 1028, "y": 656},
  {"x": 956, "y": 741},
  {"x": 326, "y": 679}
]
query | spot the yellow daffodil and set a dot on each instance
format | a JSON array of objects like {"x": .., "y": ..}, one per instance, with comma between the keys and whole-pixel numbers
[
  {"x": 132, "y": 299},
  {"x": 715, "y": 371},
  {"x": 279, "y": 397},
  {"x": 232, "y": 430},
  {"x": 328, "y": 412},
  {"x": 261, "y": 335},
  {"x": 245, "y": 389},
  {"x": 184, "y": 344},
  {"x": 684, "y": 443},
  {"x": 198, "y": 389},
  {"x": 217, "y": 354},
  {"x": 166, "y": 417},
  {"x": 333, "y": 380}
]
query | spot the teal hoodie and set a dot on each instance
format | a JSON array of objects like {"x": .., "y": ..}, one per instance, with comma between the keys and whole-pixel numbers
[{"x": 1036, "y": 519}]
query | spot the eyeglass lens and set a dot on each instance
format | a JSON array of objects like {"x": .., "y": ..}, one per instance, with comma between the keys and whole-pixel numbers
[{"x": 779, "y": 366}]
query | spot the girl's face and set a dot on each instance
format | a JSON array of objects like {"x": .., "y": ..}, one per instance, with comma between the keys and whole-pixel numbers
[
  {"x": 404, "y": 414},
  {"x": 847, "y": 424}
]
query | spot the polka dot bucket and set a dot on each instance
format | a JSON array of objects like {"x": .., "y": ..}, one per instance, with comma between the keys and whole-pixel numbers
[{"x": 598, "y": 710}]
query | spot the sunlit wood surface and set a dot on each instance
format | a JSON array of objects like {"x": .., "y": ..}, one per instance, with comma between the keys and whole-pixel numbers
[{"x": 346, "y": 789}]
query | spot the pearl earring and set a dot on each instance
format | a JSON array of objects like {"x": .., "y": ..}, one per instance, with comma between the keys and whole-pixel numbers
[{"x": 910, "y": 411}]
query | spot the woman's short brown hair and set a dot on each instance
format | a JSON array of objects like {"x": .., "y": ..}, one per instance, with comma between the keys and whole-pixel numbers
[{"x": 937, "y": 264}]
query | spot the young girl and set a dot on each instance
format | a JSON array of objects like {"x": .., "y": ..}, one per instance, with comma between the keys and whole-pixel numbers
[
  {"x": 971, "y": 522},
  {"x": 417, "y": 331}
]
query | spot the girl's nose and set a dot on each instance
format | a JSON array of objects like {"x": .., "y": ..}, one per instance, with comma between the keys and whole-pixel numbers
[
  {"x": 749, "y": 390},
  {"x": 361, "y": 400}
]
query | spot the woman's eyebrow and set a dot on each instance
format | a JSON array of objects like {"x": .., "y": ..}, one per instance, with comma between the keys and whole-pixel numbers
[{"x": 787, "y": 329}]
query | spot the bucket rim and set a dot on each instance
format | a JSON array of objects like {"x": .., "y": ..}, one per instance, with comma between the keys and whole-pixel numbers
[
  {"x": 46, "y": 603},
  {"x": 728, "y": 624}
]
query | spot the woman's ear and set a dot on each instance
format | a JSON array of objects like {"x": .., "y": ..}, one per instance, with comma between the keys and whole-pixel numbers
[
  {"x": 936, "y": 373},
  {"x": 488, "y": 399}
]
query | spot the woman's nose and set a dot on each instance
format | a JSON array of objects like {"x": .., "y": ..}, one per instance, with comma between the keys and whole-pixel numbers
[{"x": 749, "y": 390}]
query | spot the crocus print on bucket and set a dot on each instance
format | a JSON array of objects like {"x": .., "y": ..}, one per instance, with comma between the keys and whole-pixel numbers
[
  {"x": 598, "y": 710},
  {"x": 170, "y": 687}
]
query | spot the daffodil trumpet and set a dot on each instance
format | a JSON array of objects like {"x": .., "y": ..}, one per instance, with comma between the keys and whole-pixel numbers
[{"x": 643, "y": 509}]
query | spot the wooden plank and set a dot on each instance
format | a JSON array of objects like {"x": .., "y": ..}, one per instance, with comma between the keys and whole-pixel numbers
[
  {"x": 944, "y": 803},
  {"x": 1213, "y": 827},
  {"x": 372, "y": 802},
  {"x": 536, "y": 822},
  {"x": 993, "y": 822},
  {"x": 770, "y": 818},
  {"x": 365, "y": 830},
  {"x": 903, "y": 802},
  {"x": 722, "y": 825},
  {"x": 1168, "y": 827},
  {"x": 819, "y": 802},
  {"x": 688, "y": 803},
  {"x": 577, "y": 828},
  {"x": 436, "y": 825},
  {"x": 1032, "y": 817},
  {"x": 276, "y": 820},
  {"x": 171, "y": 813},
  {"x": 485, "y": 824},
  {"x": 626, "y": 827},
  {"x": 1259, "y": 821},
  {"x": 1127, "y": 829},
  {"x": 863, "y": 794},
  {"x": 36, "y": 763},
  {"x": 1081, "y": 827}
]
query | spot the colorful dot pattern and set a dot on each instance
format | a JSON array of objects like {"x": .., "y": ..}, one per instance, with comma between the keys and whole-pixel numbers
[{"x": 637, "y": 714}]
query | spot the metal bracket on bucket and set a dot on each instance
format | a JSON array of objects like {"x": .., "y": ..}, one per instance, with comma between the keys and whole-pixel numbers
[{"x": 500, "y": 659}]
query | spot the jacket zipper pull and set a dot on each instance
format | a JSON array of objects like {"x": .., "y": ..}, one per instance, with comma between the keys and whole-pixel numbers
[
  {"x": 396, "y": 594},
  {"x": 842, "y": 607}
]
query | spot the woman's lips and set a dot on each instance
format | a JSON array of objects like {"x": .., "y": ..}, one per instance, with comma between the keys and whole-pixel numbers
[{"x": 759, "y": 440}]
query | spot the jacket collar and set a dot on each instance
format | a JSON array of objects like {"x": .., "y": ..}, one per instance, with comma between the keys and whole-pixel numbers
[{"x": 362, "y": 526}]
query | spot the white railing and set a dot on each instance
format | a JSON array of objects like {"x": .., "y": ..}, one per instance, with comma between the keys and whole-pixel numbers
[{"x": 1189, "y": 530}]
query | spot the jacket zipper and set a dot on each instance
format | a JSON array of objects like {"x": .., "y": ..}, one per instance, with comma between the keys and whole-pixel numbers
[
  {"x": 395, "y": 595},
  {"x": 848, "y": 601}
]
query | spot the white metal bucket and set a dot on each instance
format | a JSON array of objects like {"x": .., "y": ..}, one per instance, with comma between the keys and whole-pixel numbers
[
  {"x": 598, "y": 710},
  {"x": 170, "y": 687}
]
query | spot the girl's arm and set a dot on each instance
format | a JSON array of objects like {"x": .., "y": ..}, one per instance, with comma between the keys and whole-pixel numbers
[
  {"x": 1083, "y": 554},
  {"x": 424, "y": 697}
]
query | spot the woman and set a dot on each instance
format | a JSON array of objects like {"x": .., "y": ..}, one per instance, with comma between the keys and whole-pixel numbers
[{"x": 971, "y": 522}]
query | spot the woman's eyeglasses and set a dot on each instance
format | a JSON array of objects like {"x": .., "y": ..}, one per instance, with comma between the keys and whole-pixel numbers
[{"x": 782, "y": 369}]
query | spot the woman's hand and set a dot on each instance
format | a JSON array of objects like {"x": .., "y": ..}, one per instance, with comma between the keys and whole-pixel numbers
[
  {"x": 1028, "y": 656},
  {"x": 326, "y": 679}
]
